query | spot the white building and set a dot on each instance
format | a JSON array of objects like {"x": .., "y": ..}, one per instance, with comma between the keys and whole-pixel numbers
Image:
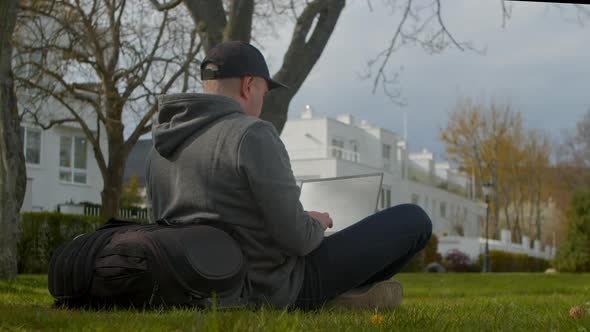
[
  {"x": 61, "y": 168},
  {"x": 323, "y": 147}
]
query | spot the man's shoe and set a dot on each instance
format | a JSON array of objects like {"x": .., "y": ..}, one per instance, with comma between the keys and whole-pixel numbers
[{"x": 382, "y": 295}]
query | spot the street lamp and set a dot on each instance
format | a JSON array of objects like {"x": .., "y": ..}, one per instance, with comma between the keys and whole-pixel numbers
[{"x": 488, "y": 190}]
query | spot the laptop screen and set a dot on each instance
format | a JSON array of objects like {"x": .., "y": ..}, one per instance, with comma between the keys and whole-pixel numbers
[{"x": 347, "y": 199}]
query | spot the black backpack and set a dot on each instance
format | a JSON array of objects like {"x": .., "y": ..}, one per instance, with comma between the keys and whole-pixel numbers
[{"x": 145, "y": 265}]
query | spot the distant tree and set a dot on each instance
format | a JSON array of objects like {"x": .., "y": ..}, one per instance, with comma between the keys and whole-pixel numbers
[
  {"x": 572, "y": 170},
  {"x": 131, "y": 196},
  {"x": 573, "y": 156},
  {"x": 489, "y": 142},
  {"x": 574, "y": 253},
  {"x": 12, "y": 163},
  {"x": 474, "y": 137},
  {"x": 99, "y": 65}
]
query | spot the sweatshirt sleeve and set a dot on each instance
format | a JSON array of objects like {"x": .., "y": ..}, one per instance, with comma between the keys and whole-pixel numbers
[{"x": 264, "y": 161}]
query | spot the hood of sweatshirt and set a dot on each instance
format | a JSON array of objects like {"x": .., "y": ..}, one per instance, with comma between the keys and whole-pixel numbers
[{"x": 184, "y": 115}]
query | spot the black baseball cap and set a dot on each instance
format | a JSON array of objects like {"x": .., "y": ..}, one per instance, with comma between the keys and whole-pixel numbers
[{"x": 237, "y": 59}]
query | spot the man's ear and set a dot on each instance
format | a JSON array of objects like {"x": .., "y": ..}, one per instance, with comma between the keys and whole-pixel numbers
[{"x": 245, "y": 86}]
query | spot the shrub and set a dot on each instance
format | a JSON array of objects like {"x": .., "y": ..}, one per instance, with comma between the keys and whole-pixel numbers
[
  {"x": 426, "y": 256},
  {"x": 457, "y": 261},
  {"x": 41, "y": 233},
  {"x": 501, "y": 261},
  {"x": 574, "y": 253}
]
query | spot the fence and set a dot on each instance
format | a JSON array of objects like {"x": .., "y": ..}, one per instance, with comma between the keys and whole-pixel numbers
[
  {"x": 135, "y": 213},
  {"x": 474, "y": 246}
]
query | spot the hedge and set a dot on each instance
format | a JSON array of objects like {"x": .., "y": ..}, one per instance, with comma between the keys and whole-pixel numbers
[
  {"x": 426, "y": 256},
  {"x": 502, "y": 261},
  {"x": 41, "y": 233}
]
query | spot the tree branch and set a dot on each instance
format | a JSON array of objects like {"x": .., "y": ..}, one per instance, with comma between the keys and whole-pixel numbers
[
  {"x": 139, "y": 129},
  {"x": 302, "y": 55},
  {"x": 210, "y": 20}
]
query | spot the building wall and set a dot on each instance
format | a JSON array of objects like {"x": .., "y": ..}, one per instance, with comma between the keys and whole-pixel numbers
[
  {"x": 459, "y": 211},
  {"x": 46, "y": 191},
  {"x": 460, "y": 214},
  {"x": 305, "y": 139}
]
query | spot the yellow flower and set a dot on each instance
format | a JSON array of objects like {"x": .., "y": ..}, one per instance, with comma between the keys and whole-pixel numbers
[{"x": 377, "y": 319}]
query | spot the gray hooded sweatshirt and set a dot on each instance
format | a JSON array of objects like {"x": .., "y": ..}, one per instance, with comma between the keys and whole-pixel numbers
[{"x": 212, "y": 161}]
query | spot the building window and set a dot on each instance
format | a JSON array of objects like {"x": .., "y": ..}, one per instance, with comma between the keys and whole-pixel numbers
[
  {"x": 415, "y": 199},
  {"x": 337, "y": 148},
  {"x": 385, "y": 198},
  {"x": 426, "y": 203},
  {"x": 443, "y": 209},
  {"x": 433, "y": 207},
  {"x": 355, "y": 151},
  {"x": 31, "y": 139},
  {"x": 72, "y": 159},
  {"x": 386, "y": 151}
]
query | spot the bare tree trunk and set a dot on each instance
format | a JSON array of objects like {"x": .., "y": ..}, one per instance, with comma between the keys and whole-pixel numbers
[
  {"x": 532, "y": 201},
  {"x": 111, "y": 193},
  {"x": 113, "y": 177},
  {"x": 494, "y": 171},
  {"x": 210, "y": 21},
  {"x": 304, "y": 51},
  {"x": 12, "y": 163},
  {"x": 507, "y": 197},
  {"x": 517, "y": 233},
  {"x": 239, "y": 25},
  {"x": 538, "y": 208}
]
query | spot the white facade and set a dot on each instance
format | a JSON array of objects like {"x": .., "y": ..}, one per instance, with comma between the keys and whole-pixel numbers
[
  {"x": 322, "y": 147},
  {"x": 61, "y": 168}
]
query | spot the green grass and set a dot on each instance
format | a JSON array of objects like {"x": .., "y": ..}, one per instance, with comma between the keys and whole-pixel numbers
[{"x": 440, "y": 302}]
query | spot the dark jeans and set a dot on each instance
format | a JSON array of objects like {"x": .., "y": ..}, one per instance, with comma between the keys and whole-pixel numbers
[{"x": 371, "y": 250}]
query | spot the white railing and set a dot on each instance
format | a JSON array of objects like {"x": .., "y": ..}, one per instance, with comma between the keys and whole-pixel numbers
[
  {"x": 95, "y": 210},
  {"x": 325, "y": 152},
  {"x": 474, "y": 246},
  {"x": 340, "y": 153}
]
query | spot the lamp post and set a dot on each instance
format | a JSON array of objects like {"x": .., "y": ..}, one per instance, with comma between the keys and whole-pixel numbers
[{"x": 488, "y": 190}]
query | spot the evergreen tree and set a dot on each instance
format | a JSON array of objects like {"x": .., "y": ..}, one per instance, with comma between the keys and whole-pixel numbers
[{"x": 574, "y": 253}]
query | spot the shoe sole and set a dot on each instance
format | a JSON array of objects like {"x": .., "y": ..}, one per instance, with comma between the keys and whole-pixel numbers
[{"x": 382, "y": 295}]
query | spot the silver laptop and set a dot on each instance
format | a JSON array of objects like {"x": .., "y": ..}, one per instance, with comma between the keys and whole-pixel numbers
[{"x": 348, "y": 199}]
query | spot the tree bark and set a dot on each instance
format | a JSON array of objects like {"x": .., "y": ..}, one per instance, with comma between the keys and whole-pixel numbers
[
  {"x": 210, "y": 20},
  {"x": 12, "y": 163},
  {"x": 113, "y": 174},
  {"x": 239, "y": 25},
  {"x": 538, "y": 211},
  {"x": 113, "y": 186}
]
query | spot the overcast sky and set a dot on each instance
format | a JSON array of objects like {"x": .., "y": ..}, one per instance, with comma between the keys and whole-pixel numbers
[{"x": 540, "y": 61}]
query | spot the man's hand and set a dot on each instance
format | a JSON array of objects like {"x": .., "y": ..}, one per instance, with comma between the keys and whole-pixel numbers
[{"x": 322, "y": 217}]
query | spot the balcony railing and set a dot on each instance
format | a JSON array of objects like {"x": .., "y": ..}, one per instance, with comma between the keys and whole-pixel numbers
[
  {"x": 340, "y": 153},
  {"x": 324, "y": 153}
]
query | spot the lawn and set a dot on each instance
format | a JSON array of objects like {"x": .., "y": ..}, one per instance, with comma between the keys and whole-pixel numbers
[{"x": 441, "y": 302}]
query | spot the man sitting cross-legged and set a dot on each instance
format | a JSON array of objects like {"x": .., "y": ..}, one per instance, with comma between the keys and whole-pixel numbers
[{"x": 214, "y": 159}]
